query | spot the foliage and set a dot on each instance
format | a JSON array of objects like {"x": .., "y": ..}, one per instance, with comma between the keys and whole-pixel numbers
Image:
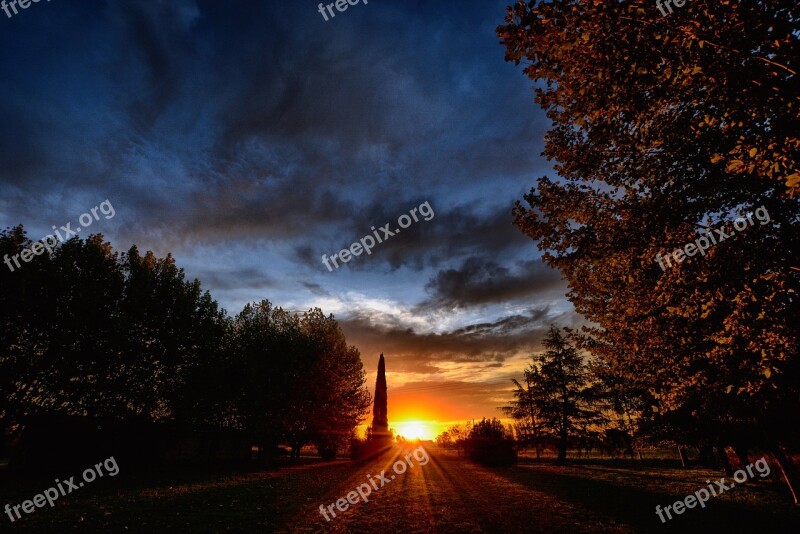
[
  {"x": 489, "y": 429},
  {"x": 86, "y": 332},
  {"x": 455, "y": 436},
  {"x": 664, "y": 127},
  {"x": 490, "y": 443},
  {"x": 558, "y": 400}
]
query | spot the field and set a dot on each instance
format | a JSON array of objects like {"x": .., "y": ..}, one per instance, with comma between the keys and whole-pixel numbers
[{"x": 448, "y": 494}]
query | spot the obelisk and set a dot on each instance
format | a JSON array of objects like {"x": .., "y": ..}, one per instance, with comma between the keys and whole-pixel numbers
[{"x": 380, "y": 410}]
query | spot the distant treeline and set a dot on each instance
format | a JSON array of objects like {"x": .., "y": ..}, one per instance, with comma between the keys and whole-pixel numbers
[
  {"x": 101, "y": 348},
  {"x": 572, "y": 400}
]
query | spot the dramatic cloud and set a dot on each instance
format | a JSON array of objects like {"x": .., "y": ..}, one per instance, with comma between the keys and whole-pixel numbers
[
  {"x": 426, "y": 352},
  {"x": 479, "y": 281},
  {"x": 250, "y": 138}
]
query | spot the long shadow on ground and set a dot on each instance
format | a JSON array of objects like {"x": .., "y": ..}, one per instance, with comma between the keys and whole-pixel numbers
[{"x": 761, "y": 506}]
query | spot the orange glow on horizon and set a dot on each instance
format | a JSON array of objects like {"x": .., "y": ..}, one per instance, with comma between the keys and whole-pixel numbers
[
  {"x": 419, "y": 408},
  {"x": 413, "y": 430}
]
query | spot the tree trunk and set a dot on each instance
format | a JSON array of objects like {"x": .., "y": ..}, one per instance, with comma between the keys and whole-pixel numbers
[
  {"x": 787, "y": 470},
  {"x": 706, "y": 456},
  {"x": 741, "y": 454},
  {"x": 725, "y": 463},
  {"x": 562, "y": 453},
  {"x": 536, "y": 438},
  {"x": 562, "y": 443},
  {"x": 684, "y": 458},
  {"x": 534, "y": 426}
]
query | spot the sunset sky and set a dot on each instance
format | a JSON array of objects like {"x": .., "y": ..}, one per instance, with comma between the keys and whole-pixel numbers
[{"x": 250, "y": 138}]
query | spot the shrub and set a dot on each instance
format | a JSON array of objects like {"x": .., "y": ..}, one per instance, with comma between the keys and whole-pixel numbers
[{"x": 489, "y": 443}]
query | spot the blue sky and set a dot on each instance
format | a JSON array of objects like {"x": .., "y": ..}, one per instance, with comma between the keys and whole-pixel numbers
[{"x": 249, "y": 138}]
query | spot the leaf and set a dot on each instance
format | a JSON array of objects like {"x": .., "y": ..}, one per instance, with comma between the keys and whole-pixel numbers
[
  {"x": 767, "y": 373},
  {"x": 735, "y": 164},
  {"x": 793, "y": 180},
  {"x": 753, "y": 152},
  {"x": 716, "y": 158}
]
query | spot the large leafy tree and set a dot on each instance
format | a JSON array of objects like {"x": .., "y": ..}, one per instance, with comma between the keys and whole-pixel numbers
[
  {"x": 58, "y": 316},
  {"x": 295, "y": 378},
  {"x": 334, "y": 399},
  {"x": 266, "y": 368},
  {"x": 89, "y": 332},
  {"x": 664, "y": 128},
  {"x": 125, "y": 337}
]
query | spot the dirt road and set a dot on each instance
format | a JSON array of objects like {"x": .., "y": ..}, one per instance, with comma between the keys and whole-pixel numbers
[{"x": 447, "y": 494}]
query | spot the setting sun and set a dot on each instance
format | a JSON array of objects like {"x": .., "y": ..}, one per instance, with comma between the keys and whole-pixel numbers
[{"x": 415, "y": 430}]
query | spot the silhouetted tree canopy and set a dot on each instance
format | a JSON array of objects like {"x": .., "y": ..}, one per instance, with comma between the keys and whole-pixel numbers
[
  {"x": 491, "y": 443},
  {"x": 558, "y": 395},
  {"x": 297, "y": 380},
  {"x": 87, "y": 332}
]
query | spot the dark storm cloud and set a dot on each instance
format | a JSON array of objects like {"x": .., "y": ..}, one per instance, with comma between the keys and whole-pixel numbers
[
  {"x": 316, "y": 289},
  {"x": 479, "y": 281},
  {"x": 452, "y": 233},
  {"x": 257, "y": 128},
  {"x": 259, "y": 121},
  {"x": 247, "y": 278},
  {"x": 419, "y": 352}
]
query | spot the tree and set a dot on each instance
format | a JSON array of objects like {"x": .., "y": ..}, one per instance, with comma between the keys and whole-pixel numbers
[
  {"x": 58, "y": 315},
  {"x": 664, "y": 129},
  {"x": 561, "y": 391},
  {"x": 619, "y": 400},
  {"x": 445, "y": 440},
  {"x": 455, "y": 436},
  {"x": 297, "y": 380},
  {"x": 525, "y": 408},
  {"x": 96, "y": 339},
  {"x": 336, "y": 399},
  {"x": 490, "y": 443}
]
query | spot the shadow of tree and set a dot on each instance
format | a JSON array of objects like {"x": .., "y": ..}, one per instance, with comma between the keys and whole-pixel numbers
[{"x": 634, "y": 502}]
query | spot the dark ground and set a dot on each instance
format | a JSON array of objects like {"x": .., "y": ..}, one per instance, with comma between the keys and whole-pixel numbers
[{"x": 449, "y": 494}]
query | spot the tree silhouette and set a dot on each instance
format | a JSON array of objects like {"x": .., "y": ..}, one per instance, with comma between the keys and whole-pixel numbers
[
  {"x": 96, "y": 339},
  {"x": 526, "y": 408},
  {"x": 490, "y": 443},
  {"x": 561, "y": 390}
]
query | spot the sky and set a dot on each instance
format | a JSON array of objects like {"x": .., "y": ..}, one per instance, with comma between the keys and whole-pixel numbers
[{"x": 249, "y": 138}]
